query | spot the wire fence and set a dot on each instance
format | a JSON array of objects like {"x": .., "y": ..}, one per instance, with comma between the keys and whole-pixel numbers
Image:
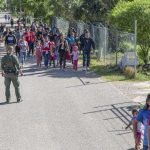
[{"x": 112, "y": 46}]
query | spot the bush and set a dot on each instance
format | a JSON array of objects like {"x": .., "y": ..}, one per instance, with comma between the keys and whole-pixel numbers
[{"x": 129, "y": 72}]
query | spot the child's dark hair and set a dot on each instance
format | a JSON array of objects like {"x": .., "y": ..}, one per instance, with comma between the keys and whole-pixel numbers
[
  {"x": 134, "y": 111},
  {"x": 147, "y": 99}
]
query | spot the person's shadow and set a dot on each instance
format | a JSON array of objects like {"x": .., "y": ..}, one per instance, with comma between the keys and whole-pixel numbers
[{"x": 5, "y": 103}]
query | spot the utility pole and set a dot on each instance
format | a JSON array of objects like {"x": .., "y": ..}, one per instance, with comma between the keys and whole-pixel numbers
[{"x": 135, "y": 46}]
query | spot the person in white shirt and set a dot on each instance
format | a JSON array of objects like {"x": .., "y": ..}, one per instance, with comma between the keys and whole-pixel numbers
[
  {"x": 75, "y": 55},
  {"x": 24, "y": 48}
]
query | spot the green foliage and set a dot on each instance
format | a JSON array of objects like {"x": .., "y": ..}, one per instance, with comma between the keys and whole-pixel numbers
[
  {"x": 143, "y": 55},
  {"x": 2, "y": 4},
  {"x": 124, "y": 15},
  {"x": 87, "y": 10},
  {"x": 47, "y": 8},
  {"x": 112, "y": 73},
  {"x": 95, "y": 10}
]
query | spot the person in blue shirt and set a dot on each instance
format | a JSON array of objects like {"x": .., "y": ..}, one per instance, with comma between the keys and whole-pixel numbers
[
  {"x": 71, "y": 43},
  {"x": 87, "y": 45},
  {"x": 144, "y": 117}
]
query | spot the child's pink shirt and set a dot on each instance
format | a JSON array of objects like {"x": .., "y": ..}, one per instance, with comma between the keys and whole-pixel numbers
[{"x": 75, "y": 55}]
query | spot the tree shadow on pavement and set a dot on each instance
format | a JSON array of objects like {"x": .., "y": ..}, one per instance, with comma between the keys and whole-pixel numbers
[
  {"x": 56, "y": 72},
  {"x": 121, "y": 111},
  {"x": 33, "y": 70}
]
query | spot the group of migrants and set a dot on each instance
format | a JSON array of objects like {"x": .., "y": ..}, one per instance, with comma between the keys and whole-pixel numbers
[{"x": 52, "y": 46}]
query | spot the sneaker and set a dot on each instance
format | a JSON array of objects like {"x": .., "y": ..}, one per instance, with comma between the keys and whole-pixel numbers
[
  {"x": 87, "y": 68},
  {"x": 84, "y": 68},
  {"x": 19, "y": 100}
]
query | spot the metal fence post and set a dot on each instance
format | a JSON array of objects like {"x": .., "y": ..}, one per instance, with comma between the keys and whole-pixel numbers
[
  {"x": 135, "y": 47},
  {"x": 105, "y": 44}
]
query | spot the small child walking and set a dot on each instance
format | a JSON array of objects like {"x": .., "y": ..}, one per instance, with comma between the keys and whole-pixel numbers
[
  {"x": 53, "y": 57},
  {"x": 75, "y": 56},
  {"x": 38, "y": 53},
  {"x": 140, "y": 129}
]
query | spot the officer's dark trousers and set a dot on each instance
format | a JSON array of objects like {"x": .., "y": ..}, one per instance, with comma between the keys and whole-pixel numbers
[
  {"x": 86, "y": 58},
  {"x": 14, "y": 79}
]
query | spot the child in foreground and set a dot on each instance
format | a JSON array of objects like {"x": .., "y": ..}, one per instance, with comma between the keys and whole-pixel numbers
[{"x": 140, "y": 130}]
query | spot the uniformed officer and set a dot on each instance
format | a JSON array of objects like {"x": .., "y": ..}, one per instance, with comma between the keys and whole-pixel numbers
[{"x": 10, "y": 70}]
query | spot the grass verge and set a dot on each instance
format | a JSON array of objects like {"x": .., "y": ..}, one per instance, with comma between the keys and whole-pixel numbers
[{"x": 113, "y": 73}]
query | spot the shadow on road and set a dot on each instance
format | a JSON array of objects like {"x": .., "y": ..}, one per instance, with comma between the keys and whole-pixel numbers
[
  {"x": 121, "y": 111},
  {"x": 5, "y": 103}
]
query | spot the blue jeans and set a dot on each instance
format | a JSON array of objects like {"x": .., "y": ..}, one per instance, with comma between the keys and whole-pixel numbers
[
  {"x": 145, "y": 147},
  {"x": 23, "y": 57},
  {"x": 86, "y": 58},
  {"x": 46, "y": 58}
]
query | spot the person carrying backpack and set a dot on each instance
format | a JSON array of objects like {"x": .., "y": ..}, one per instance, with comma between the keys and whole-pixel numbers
[
  {"x": 63, "y": 48},
  {"x": 10, "y": 71}
]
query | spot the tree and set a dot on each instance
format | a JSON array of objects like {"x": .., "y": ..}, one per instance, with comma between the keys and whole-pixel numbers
[
  {"x": 2, "y": 4},
  {"x": 124, "y": 15},
  {"x": 95, "y": 10},
  {"x": 45, "y": 9}
]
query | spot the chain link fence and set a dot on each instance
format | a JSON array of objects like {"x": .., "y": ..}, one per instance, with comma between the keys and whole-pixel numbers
[{"x": 113, "y": 47}]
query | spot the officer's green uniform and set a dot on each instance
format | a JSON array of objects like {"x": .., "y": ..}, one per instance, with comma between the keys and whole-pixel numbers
[{"x": 10, "y": 66}]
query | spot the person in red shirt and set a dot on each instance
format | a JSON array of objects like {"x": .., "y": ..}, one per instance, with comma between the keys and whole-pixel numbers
[
  {"x": 32, "y": 41},
  {"x": 46, "y": 49},
  {"x": 27, "y": 36},
  {"x": 52, "y": 52}
]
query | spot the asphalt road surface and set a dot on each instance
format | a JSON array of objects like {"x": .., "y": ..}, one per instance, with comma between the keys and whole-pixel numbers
[{"x": 64, "y": 111}]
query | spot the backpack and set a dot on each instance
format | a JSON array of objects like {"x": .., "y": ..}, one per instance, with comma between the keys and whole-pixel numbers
[{"x": 9, "y": 64}]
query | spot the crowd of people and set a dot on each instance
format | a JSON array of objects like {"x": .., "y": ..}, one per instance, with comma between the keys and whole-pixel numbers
[
  {"x": 54, "y": 48},
  {"x": 49, "y": 44}
]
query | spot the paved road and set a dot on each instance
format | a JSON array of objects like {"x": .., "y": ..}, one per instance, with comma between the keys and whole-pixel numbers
[
  {"x": 64, "y": 111},
  {"x": 2, "y": 18},
  {"x": 6, "y": 22}
]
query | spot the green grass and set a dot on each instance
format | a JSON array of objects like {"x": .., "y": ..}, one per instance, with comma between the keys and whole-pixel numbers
[{"x": 113, "y": 73}]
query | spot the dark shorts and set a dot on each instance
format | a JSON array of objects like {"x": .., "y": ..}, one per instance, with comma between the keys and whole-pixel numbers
[{"x": 31, "y": 45}]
